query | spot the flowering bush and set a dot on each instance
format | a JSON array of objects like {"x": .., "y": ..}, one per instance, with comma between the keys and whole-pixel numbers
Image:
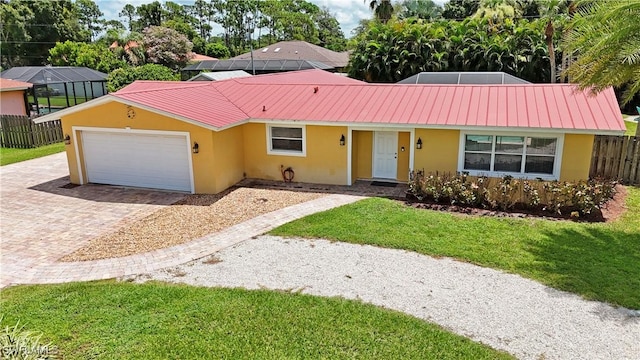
[{"x": 507, "y": 193}]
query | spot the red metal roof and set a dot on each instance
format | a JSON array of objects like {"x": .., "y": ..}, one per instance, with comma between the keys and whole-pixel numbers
[
  {"x": 293, "y": 96},
  {"x": 8, "y": 84},
  {"x": 200, "y": 57}
]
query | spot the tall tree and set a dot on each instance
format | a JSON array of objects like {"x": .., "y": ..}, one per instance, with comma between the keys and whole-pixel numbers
[
  {"x": 382, "y": 9},
  {"x": 129, "y": 12},
  {"x": 14, "y": 34},
  {"x": 330, "y": 35},
  {"x": 237, "y": 21},
  {"x": 149, "y": 15},
  {"x": 605, "y": 39},
  {"x": 202, "y": 11},
  {"x": 496, "y": 11},
  {"x": 554, "y": 12},
  {"x": 459, "y": 9},
  {"x": 421, "y": 9},
  {"x": 90, "y": 17},
  {"x": 47, "y": 22}
]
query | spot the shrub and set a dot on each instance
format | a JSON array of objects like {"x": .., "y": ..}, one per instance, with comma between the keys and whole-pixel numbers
[
  {"x": 507, "y": 193},
  {"x": 18, "y": 343},
  {"x": 120, "y": 78}
]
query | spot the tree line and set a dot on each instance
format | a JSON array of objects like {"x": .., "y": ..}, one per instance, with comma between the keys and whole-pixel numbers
[
  {"x": 595, "y": 44},
  {"x": 30, "y": 28}
]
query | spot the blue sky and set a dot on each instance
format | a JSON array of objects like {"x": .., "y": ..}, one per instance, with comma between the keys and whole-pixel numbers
[{"x": 347, "y": 12}]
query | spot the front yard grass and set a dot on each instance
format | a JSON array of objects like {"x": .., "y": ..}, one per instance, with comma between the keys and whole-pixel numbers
[
  {"x": 160, "y": 321},
  {"x": 11, "y": 155},
  {"x": 599, "y": 261},
  {"x": 631, "y": 128}
]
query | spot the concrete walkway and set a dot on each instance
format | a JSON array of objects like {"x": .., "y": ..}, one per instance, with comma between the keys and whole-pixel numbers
[{"x": 43, "y": 219}]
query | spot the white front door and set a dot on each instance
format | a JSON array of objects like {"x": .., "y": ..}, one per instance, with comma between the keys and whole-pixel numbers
[{"x": 385, "y": 154}]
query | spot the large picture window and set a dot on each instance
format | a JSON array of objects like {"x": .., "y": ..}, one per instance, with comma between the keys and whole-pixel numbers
[
  {"x": 510, "y": 154},
  {"x": 286, "y": 140}
]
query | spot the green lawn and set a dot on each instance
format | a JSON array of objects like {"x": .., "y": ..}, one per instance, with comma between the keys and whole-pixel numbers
[
  {"x": 159, "y": 321},
  {"x": 631, "y": 128},
  {"x": 598, "y": 261},
  {"x": 11, "y": 155},
  {"x": 57, "y": 101}
]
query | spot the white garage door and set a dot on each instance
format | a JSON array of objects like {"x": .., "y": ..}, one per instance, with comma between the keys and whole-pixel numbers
[{"x": 137, "y": 159}]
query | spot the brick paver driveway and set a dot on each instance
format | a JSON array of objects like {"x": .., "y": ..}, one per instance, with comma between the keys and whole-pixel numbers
[{"x": 41, "y": 220}]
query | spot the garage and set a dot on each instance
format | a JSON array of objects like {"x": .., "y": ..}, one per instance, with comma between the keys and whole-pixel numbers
[{"x": 147, "y": 159}]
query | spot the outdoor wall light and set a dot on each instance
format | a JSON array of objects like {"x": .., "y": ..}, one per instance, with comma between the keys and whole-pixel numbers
[
  {"x": 67, "y": 140},
  {"x": 419, "y": 144},
  {"x": 342, "y": 140},
  {"x": 195, "y": 148}
]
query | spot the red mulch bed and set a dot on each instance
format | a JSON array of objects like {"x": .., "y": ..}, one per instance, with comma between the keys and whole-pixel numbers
[{"x": 611, "y": 211}]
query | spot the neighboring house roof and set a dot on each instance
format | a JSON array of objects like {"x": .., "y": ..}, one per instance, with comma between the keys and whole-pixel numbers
[
  {"x": 298, "y": 50},
  {"x": 260, "y": 65},
  {"x": 220, "y": 75},
  {"x": 301, "y": 97},
  {"x": 129, "y": 45},
  {"x": 53, "y": 74},
  {"x": 200, "y": 57},
  {"x": 11, "y": 85},
  {"x": 462, "y": 78}
]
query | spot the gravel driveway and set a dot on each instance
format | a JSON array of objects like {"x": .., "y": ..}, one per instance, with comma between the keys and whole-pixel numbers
[{"x": 505, "y": 311}]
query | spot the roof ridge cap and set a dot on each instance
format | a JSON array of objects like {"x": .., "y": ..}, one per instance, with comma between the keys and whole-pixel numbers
[
  {"x": 159, "y": 89},
  {"x": 213, "y": 85}
]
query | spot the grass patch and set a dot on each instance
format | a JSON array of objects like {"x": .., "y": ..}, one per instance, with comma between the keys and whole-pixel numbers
[
  {"x": 631, "y": 128},
  {"x": 11, "y": 155},
  {"x": 57, "y": 101},
  {"x": 597, "y": 261},
  {"x": 154, "y": 320}
]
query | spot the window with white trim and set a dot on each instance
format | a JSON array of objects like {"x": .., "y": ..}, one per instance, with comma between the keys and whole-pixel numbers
[
  {"x": 286, "y": 140},
  {"x": 510, "y": 154}
]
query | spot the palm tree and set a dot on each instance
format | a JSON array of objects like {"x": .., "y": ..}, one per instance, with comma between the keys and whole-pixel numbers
[
  {"x": 129, "y": 49},
  {"x": 604, "y": 37},
  {"x": 553, "y": 11},
  {"x": 382, "y": 9},
  {"x": 495, "y": 11}
]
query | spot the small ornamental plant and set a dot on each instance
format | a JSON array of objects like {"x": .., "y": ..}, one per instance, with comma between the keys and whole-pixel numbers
[
  {"x": 18, "y": 343},
  {"x": 509, "y": 194}
]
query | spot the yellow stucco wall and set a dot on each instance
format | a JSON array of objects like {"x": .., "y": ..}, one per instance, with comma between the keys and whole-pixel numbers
[
  {"x": 439, "y": 150},
  {"x": 576, "y": 157},
  {"x": 324, "y": 163},
  {"x": 228, "y": 157},
  {"x": 362, "y": 157},
  {"x": 12, "y": 103},
  {"x": 114, "y": 115},
  {"x": 404, "y": 139}
]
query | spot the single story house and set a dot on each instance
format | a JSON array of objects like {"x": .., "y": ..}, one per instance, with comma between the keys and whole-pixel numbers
[
  {"x": 203, "y": 137},
  {"x": 13, "y": 97}
]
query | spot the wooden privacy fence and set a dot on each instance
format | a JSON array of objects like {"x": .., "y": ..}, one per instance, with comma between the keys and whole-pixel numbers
[
  {"x": 616, "y": 157},
  {"x": 17, "y": 131}
]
